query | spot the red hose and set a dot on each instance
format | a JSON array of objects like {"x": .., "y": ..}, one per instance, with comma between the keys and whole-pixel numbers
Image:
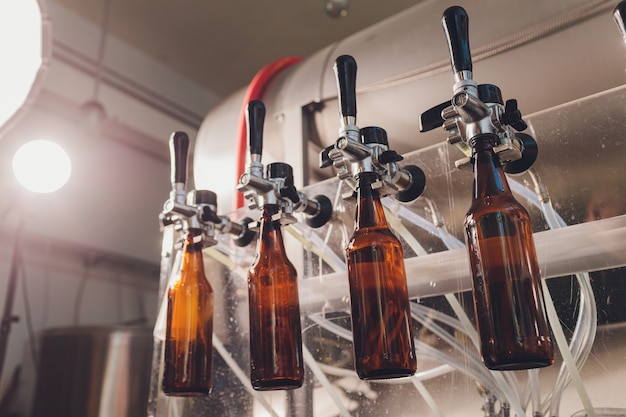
[{"x": 254, "y": 92}]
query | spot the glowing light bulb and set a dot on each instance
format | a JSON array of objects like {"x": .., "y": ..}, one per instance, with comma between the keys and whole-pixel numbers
[{"x": 41, "y": 166}]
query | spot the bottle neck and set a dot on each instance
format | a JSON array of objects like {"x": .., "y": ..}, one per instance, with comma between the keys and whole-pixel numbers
[
  {"x": 193, "y": 241},
  {"x": 489, "y": 177},
  {"x": 271, "y": 234},
  {"x": 192, "y": 265},
  {"x": 369, "y": 209}
]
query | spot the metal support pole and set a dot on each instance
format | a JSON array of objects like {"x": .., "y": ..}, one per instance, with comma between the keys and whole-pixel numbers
[{"x": 7, "y": 317}]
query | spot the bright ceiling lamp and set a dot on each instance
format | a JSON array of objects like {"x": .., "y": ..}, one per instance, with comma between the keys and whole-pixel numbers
[
  {"x": 41, "y": 166},
  {"x": 25, "y": 38}
]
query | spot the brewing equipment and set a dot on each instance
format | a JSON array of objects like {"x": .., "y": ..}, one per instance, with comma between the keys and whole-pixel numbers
[{"x": 538, "y": 52}]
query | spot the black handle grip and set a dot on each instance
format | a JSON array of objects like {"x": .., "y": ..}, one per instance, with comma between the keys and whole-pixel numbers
[
  {"x": 619, "y": 15},
  {"x": 255, "y": 117},
  {"x": 179, "y": 148},
  {"x": 325, "y": 160},
  {"x": 345, "y": 71},
  {"x": 455, "y": 25},
  {"x": 431, "y": 118}
]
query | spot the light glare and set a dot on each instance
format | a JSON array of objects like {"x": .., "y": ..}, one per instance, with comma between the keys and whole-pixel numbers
[
  {"x": 21, "y": 48},
  {"x": 41, "y": 166}
]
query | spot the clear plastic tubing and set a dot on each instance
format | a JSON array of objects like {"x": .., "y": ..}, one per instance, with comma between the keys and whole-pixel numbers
[
  {"x": 243, "y": 378},
  {"x": 449, "y": 240},
  {"x": 584, "y": 332},
  {"x": 494, "y": 381},
  {"x": 321, "y": 377},
  {"x": 314, "y": 243}
]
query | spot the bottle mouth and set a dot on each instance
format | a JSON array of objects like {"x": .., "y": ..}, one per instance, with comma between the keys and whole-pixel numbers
[
  {"x": 367, "y": 177},
  {"x": 272, "y": 210},
  {"x": 484, "y": 139}
]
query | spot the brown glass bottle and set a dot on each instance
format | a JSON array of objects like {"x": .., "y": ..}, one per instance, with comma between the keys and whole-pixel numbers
[
  {"x": 188, "y": 346},
  {"x": 381, "y": 316},
  {"x": 508, "y": 299},
  {"x": 275, "y": 330}
]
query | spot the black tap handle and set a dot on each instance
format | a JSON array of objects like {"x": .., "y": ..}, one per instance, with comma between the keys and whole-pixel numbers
[
  {"x": 619, "y": 14},
  {"x": 345, "y": 71},
  {"x": 179, "y": 148},
  {"x": 455, "y": 25},
  {"x": 255, "y": 117}
]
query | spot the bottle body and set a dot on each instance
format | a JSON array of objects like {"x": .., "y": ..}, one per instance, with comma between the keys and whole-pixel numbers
[
  {"x": 508, "y": 298},
  {"x": 381, "y": 317},
  {"x": 188, "y": 342},
  {"x": 274, "y": 309}
]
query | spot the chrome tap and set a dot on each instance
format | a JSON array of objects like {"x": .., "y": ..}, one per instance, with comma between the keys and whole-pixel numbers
[
  {"x": 478, "y": 109},
  {"x": 198, "y": 208},
  {"x": 276, "y": 185},
  {"x": 366, "y": 150}
]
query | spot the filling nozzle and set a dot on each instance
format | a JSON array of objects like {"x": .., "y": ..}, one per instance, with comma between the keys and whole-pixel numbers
[
  {"x": 204, "y": 202},
  {"x": 366, "y": 150},
  {"x": 274, "y": 184},
  {"x": 258, "y": 190},
  {"x": 198, "y": 208},
  {"x": 477, "y": 110}
]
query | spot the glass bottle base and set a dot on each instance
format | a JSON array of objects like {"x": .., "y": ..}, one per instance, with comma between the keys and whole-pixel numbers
[
  {"x": 276, "y": 384},
  {"x": 385, "y": 373},
  {"x": 518, "y": 364},
  {"x": 186, "y": 392}
]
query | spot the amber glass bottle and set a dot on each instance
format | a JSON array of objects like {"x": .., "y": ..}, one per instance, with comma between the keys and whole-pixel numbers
[
  {"x": 508, "y": 298},
  {"x": 188, "y": 345},
  {"x": 381, "y": 316},
  {"x": 275, "y": 330}
]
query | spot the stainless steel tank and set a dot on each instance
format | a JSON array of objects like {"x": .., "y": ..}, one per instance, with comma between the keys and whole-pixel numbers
[
  {"x": 96, "y": 371},
  {"x": 542, "y": 53}
]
